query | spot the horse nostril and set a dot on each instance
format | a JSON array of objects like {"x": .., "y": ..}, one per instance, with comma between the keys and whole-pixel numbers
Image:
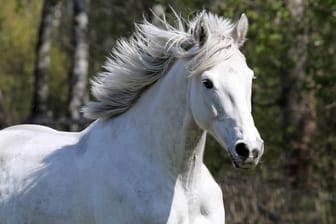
[
  {"x": 255, "y": 153},
  {"x": 242, "y": 150}
]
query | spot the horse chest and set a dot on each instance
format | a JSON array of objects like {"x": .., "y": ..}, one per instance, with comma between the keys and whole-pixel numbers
[
  {"x": 153, "y": 199},
  {"x": 170, "y": 207},
  {"x": 193, "y": 207}
]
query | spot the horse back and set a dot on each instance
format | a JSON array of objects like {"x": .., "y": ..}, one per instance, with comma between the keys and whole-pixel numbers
[
  {"x": 21, "y": 136},
  {"x": 23, "y": 144}
]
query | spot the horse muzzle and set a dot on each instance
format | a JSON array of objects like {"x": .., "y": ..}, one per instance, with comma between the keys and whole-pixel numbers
[{"x": 246, "y": 154}]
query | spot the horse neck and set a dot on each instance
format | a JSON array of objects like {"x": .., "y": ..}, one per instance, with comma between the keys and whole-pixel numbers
[
  {"x": 162, "y": 119},
  {"x": 177, "y": 141}
]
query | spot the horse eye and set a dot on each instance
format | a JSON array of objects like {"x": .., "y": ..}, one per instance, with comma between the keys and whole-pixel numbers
[{"x": 207, "y": 83}]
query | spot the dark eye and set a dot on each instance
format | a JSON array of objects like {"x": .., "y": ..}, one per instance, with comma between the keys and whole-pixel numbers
[{"x": 207, "y": 83}]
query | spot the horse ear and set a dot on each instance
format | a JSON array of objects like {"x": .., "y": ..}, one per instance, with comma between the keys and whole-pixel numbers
[
  {"x": 239, "y": 33},
  {"x": 200, "y": 32}
]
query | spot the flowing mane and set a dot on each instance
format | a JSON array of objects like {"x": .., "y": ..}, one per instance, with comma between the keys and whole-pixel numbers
[{"x": 139, "y": 61}]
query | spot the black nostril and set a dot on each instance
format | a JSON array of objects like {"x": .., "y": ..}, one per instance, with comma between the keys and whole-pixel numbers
[
  {"x": 255, "y": 153},
  {"x": 242, "y": 150}
]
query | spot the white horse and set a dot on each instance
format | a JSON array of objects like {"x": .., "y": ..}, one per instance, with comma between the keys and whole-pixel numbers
[{"x": 141, "y": 161}]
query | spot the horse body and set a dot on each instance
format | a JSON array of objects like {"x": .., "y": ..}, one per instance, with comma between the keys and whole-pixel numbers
[
  {"x": 124, "y": 164},
  {"x": 145, "y": 164}
]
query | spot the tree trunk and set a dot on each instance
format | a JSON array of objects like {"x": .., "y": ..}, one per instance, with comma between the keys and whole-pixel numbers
[
  {"x": 299, "y": 102},
  {"x": 3, "y": 122},
  {"x": 79, "y": 70},
  {"x": 49, "y": 18}
]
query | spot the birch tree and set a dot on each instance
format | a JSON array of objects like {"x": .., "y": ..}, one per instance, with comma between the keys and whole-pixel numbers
[
  {"x": 49, "y": 18},
  {"x": 79, "y": 70}
]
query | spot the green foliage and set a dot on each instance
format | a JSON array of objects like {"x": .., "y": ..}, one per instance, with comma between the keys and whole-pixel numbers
[{"x": 18, "y": 24}]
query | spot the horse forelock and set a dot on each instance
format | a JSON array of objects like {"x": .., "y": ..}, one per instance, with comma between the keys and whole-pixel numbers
[{"x": 139, "y": 61}]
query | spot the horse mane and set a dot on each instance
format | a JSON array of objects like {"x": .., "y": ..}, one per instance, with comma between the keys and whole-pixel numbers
[{"x": 139, "y": 61}]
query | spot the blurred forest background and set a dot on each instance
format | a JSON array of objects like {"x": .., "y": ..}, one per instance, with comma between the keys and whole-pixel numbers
[{"x": 49, "y": 49}]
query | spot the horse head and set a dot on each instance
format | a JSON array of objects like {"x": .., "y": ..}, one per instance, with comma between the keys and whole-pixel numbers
[{"x": 220, "y": 91}]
